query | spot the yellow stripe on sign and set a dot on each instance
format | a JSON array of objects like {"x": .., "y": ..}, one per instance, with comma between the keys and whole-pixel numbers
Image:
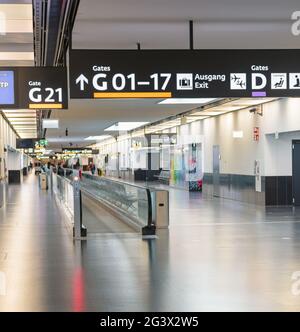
[
  {"x": 45, "y": 106},
  {"x": 107, "y": 95}
]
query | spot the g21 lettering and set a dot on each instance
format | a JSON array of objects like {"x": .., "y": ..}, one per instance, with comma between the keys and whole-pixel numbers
[
  {"x": 296, "y": 25},
  {"x": 48, "y": 95}
]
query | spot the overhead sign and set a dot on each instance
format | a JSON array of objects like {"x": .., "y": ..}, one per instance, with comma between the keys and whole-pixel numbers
[
  {"x": 25, "y": 143},
  {"x": 98, "y": 74},
  {"x": 74, "y": 151},
  {"x": 41, "y": 143},
  {"x": 33, "y": 88}
]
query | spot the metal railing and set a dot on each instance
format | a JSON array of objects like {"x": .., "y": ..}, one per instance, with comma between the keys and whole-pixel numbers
[{"x": 2, "y": 193}]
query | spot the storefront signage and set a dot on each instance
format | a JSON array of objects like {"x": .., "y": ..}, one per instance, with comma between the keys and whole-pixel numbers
[
  {"x": 98, "y": 74},
  {"x": 33, "y": 88}
]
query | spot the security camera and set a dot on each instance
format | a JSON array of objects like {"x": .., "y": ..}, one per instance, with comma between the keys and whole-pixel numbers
[{"x": 255, "y": 110}]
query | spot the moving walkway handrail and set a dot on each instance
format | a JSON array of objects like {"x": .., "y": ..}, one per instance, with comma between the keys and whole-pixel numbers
[
  {"x": 149, "y": 228},
  {"x": 120, "y": 186},
  {"x": 113, "y": 180}
]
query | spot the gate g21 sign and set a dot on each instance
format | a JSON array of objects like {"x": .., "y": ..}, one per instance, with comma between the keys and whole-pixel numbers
[
  {"x": 184, "y": 73},
  {"x": 33, "y": 88}
]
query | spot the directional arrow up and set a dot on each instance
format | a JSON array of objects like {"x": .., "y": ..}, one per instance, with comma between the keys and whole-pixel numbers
[{"x": 82, "y": 80}]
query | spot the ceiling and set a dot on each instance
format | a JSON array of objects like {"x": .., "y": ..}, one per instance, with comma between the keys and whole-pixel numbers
[
  {"x": 116, "y": 24},
  {"x": 85, "y": 118},
  {"x": 160, "y": 24},
  {"x": 121, "y": 24}
]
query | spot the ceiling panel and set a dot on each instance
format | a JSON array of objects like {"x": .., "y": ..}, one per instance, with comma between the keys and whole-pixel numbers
[{"x": 164, "y": 24}]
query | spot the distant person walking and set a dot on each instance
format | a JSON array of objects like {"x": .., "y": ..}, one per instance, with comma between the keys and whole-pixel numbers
[{"x": 92, "y": 168}]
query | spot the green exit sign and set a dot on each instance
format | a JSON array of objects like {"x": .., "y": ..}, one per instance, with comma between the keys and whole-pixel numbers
[{"x": 42, "y": 143}]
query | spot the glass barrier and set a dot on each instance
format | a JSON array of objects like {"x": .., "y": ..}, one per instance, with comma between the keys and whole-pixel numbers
[
  {"x": 63, "y": 188},
  {"x": 131, "y": 200},
  {"x": 67, "y": 172}
]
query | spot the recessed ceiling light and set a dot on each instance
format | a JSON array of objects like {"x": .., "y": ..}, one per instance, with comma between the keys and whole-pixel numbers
[
  {"x": 187, "y": 101},
  {"x": 125, "y": 126},
  {"x": 238, "y": 134},
  {"x": 16, "y": 56},
  {"x": 97, "y": 138},
  {"x": 207, "y": 113},
  {"x": 15, "y": 18},
  {"x": 50, "y": 124}
]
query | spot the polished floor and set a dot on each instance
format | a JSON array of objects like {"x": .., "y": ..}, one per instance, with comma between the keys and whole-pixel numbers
[{"x": 218, "y": 255}]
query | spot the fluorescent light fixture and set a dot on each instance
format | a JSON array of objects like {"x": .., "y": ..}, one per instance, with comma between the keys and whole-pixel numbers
[
  {"x": 15, "y": 18},
  {"x": 208, "y": 113},
  {"x": 242, "y": 102},
  {"x": 125, "y": 126},
  {"x": 19, "y": 111},
  {"x": 50, "y": 124},
  {"x": 21, "y": 121},
  {"x": 227, "y": 108},
  {"x": 16, "y": 56},
  {"x": 20, "y": 116},
  {"x": 187, "y": 101},
  {"x": 97, "y": 138},
  {"x": 17, "y": 26},
  {"x": 16, "y": 11},
  {"x": 195, "y": 118},
  {"x": 237, "y": 134}
]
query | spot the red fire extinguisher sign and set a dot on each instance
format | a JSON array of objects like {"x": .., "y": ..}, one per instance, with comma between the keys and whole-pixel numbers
[{"x": 256, "y": 133}]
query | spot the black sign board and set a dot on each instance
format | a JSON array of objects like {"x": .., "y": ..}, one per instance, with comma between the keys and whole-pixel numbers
[
  {"x": 33, "y": 88},
  {"x": 25, "y": 143},
  {"x": 184, "y": 73},
  {"x": 79, "y": 151}
]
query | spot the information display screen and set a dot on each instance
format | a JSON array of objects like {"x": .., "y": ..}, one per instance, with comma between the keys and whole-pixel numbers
[{"x": 7, "y": 87}]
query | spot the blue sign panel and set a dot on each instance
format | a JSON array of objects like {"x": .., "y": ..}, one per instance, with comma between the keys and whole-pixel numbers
[{"x": 7, "y": 90}]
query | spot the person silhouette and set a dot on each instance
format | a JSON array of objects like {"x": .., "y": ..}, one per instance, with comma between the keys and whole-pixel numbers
[{"x": 297, "y": 85}]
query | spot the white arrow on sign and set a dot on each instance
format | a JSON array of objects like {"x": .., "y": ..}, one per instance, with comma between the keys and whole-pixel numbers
[{"x": 82, "y": 80}]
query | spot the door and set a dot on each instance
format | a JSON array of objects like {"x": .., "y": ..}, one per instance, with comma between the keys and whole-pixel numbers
[
  {"x": 216, "y": 170},
  {"x": 296, "y": 171}
]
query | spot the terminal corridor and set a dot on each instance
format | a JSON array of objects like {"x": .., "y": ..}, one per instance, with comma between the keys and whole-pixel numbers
[
  {"x": 149, "y": 160},
  {"x": 223, "y": 255}
]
